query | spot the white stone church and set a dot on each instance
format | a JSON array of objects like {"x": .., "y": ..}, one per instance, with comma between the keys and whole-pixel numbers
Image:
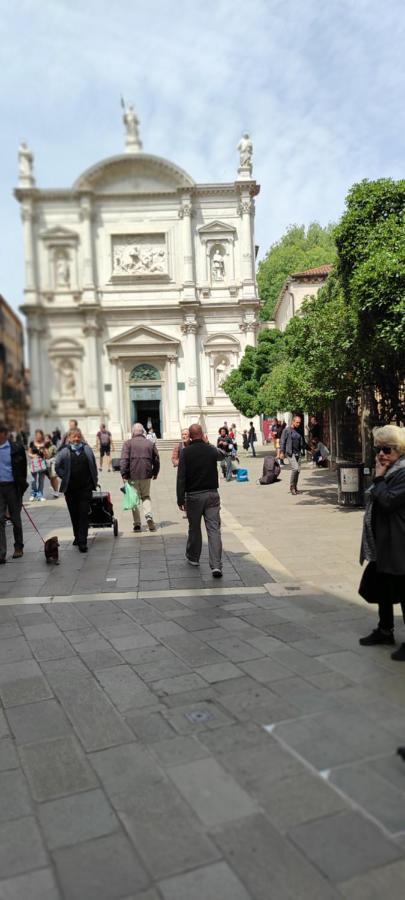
[{"x": 140, "y": 292}]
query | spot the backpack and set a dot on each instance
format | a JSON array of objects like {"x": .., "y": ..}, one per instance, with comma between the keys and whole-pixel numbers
[{"x": 242, "y": 475}]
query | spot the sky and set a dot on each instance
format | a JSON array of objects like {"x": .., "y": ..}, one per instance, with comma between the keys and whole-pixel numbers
[{"x": 319, "y": 84}]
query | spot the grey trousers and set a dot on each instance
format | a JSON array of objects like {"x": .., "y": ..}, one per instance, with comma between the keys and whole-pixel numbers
[
  {"x": 295, "y": 465},
  {"x": 10, "y": 500},
  {"x": 198, "y": 505}
]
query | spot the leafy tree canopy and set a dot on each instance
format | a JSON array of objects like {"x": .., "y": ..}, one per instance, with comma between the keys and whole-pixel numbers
[{"x": 300, "y": 248}]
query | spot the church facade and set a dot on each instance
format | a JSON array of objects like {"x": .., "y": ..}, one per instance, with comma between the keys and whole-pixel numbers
[{"x": 140, "y": 292}]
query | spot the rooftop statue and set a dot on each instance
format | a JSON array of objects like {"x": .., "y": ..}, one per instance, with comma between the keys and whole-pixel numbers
[
  {"x": 133, "y": 143},
  {"x": 25, "y": 166},
  {"x": 245, "y": 148}
]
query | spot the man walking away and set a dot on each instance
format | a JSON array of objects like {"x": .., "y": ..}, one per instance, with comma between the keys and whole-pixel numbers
[
  {"x": 104, "y": 446},
  {"x": 197, "y": 493},
  {"x": 292, "y": 445},
  {"x": 13, "y": 484},
  {"x": 139, "y": 464},
  {"x": 252, "y": 438}
]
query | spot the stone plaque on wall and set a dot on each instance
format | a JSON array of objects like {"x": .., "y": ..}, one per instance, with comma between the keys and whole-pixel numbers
[{"x": 139, "y": 256}]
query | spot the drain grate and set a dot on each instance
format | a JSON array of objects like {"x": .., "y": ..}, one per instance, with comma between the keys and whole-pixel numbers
[{"x": 199, "y": 715}]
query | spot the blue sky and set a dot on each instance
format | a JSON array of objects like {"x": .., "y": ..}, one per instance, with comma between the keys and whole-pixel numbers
[{"x": 319, "y": 84}]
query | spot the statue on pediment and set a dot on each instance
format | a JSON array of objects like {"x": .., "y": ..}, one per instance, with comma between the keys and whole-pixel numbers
[
  {"x": 133, "y": 142},
  {"x": 25, "y": 166},
  {"x": 245, "y": 148}
]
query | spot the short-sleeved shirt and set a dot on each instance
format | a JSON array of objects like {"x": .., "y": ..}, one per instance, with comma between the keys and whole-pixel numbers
[{"x": 104, "y": 438}]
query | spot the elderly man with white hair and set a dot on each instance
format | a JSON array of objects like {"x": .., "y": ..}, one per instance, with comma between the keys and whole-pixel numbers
[{"x": 139, "y": 464}]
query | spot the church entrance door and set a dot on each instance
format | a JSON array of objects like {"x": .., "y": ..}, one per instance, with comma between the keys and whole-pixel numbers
[{"x": 146, "y": 407}]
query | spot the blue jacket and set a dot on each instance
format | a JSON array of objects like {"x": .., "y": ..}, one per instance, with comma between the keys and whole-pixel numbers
[{"x": 62, "y": 466}]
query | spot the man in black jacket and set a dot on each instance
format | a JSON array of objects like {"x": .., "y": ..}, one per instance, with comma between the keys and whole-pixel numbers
[
  {"x": 197, "y": 493},
  {"x": 13, "y": 483},
  {"x": 291, "y": 445}
]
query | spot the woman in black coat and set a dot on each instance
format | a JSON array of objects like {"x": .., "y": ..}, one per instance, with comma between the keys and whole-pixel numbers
[
  {"x": 76, "y": 466},
  {"x": 383, "y": 540}
]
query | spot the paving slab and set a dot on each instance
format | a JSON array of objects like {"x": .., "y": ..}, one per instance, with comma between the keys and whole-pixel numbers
[
  {"x": 21, "y": 847},
  {"x": 207, "y": 883},
  {"x": 211, "y": 791},
  {"x": 39, "y": 885},
  {"x": 36, "y": 721},
  {"x": 361, "y": 845},
  {"x": 76, "y": 818},
  {"x": 56, "y": 767},
  {"x": 268, "y": 864},
  {"x": 93, "y": 716},
  {"x": 164, "y": 830},
  {"x": 103, "y": 869}
]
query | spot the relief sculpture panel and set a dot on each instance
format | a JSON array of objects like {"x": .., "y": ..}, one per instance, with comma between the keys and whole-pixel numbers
[{"x": 139, "y": 255}]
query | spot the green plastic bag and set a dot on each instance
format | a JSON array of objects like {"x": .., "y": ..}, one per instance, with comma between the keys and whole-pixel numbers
[{"x": 131, "y": 497}]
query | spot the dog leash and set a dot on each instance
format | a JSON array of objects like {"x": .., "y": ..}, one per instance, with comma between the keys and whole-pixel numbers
[{"x": 33, "y": 523}]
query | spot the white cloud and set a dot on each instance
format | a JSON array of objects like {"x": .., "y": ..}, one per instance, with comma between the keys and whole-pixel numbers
[{"x": 319, "y": 85}]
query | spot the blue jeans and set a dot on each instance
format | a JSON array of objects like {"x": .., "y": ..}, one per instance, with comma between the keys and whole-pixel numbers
[{"x": 37, "y": 485}]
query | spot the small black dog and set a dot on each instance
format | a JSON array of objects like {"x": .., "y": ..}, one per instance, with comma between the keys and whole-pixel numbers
[{"x": 51, "y": 549}]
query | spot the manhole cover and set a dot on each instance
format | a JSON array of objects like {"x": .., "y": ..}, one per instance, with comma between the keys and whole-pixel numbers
[{"x": 199, "y": 715}]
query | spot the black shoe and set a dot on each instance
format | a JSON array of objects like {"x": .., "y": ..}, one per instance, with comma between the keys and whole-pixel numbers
[
  {"x": 399, "y": 654},
  {"x": 3, "y": 561},
  {"x": 137, "y": 528},
  {"x": 377, "y": 637},
  {"x": 401, "y": 752},
  {"x": 75, "y": 543},
  {"x": 83, "y": 548},
  {"x": 217, "y": 573}
]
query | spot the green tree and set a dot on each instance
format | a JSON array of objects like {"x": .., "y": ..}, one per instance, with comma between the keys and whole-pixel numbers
[
  {"x": 243, "y": 384},
  {"x": 300, "y": 248},
  {"x": 371, "y": 267}
]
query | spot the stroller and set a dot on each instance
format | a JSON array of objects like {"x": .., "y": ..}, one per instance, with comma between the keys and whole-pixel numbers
[{"x": 101, "y": 511}]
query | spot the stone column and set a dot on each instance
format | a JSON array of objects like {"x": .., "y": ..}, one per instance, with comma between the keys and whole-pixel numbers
[
  {"x": 190, "y": 329},
  {"x": 117, "y": 424},
  {"x": 33, "y": 332},
  {"x": 173, "y": 396},
  {"x": 91, "y": 368},
  {"x": 185, "y": 214},
  {"x": 88, "y": 275},
  {"x": 246, "y": 209},
  {"x": 27, "y": 216}
]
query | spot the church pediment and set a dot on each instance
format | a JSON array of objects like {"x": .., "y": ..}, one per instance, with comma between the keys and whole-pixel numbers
[
  {"x": 59, "y": 234},
  {"x": 216, "y": 229},
  {"x": 139, "y": 173},
  {"x": 142, "y": 339}
]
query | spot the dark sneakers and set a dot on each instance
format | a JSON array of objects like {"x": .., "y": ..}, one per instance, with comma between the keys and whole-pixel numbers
[
  {"x": 217, "y": 573},
  {"x": 137, "y": 528},
  {"x": 399, "y": 655},
  {"x": 18, "y": 553},
  {"x": 377, "y": 637}
]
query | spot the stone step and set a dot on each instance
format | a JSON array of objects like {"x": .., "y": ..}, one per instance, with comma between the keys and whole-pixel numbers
[{"x": 162, "y": 445}]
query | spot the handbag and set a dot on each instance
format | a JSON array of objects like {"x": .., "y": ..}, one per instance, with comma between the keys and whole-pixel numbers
[{"x": 38, "y": 464}]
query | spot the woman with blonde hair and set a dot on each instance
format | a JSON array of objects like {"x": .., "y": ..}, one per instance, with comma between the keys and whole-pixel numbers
[{"x": 383, "y": 540}]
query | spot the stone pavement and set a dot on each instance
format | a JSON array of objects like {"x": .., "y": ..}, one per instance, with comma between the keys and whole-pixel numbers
[{"x": 167, "y": 737}]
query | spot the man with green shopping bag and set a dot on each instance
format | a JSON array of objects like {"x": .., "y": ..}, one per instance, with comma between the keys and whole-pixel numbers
[{"x": 139, "y": 464}]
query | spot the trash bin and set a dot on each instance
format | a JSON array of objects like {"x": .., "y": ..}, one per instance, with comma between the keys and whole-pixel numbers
[{"x": 350, "y": 484}]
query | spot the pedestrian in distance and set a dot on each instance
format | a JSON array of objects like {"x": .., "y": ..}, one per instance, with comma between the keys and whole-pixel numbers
[
  {"x": 38, "y": 456},
  {"x": 13, "y": 484},
  {"x": 140, "y": 464},
  {"x": 77, "y": 468},
  {"x": 252, "y": 437},
  {"x": 383, "y": 538},
  {"x": 185, "y": 440},
  {"x": 197, "y": 494},
  {"x": 271, "y": 470},
  {"x": 151, "y": 435},
  {"x": 245, "y": 440},
  {"x": 291, "y": 446},
  {"x": 50, "y": 465},
  {"x": 73, "y": 423},
  {"x": 104, "y": 446},
  {"x": 225, "y": 444}
]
